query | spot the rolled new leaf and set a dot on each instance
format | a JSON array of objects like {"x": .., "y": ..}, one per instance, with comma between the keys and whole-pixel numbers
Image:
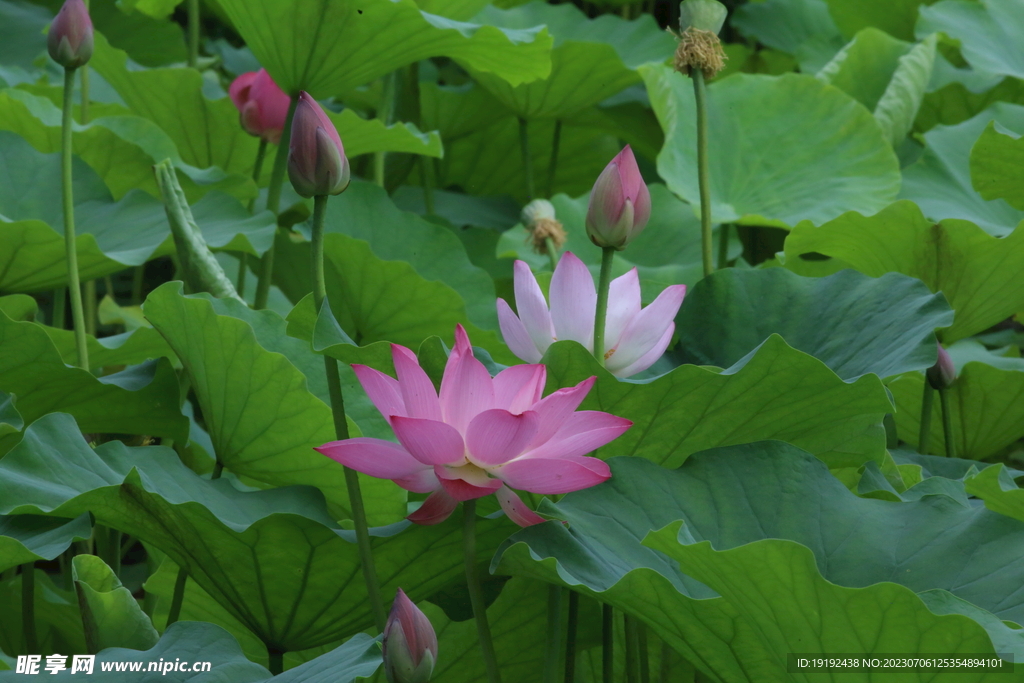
[{"x": 201, "y": 271}]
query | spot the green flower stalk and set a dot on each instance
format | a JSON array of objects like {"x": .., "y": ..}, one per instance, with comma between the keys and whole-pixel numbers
[
  {"x": 941, "y": 377},
  {"x": 70, "y": 44}
]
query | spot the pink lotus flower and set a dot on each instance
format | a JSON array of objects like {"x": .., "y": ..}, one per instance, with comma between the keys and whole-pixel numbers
[
  {"x": 410, "y": 643},
  {"x": 316, "y": 158},
  {"x": 482, "y": 435},
  {"x": 620, "y": 203},
  {"x": 70, "y": 40},
  {"x": 634, "y": 338},
  {"x": 262, "y": 106}
]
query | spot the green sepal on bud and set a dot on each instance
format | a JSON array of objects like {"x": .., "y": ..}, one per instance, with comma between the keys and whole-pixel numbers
[{"x": 703, "y": 15}]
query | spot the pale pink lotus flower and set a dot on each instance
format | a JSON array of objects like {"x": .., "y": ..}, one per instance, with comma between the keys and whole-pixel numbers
[
  {"x": 482, "y": 435},
  {"x": 262, "y": 105},
  {"x": 620, "y": 203},
  {"x": 634, "y": 337}
]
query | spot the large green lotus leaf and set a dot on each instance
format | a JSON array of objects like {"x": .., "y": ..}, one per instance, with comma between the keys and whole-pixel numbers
[
  {"x": 257, "y": 405},
  {"x": 802, "y": 28},
  {"x": 140, "y": 400},
  {"x": 955, "y": 103},
  {"x": 995, "y": 486},
  {"x": 808, "y": 151},
  {"x": 592, "y": 59},
  {"x": 321, "y": 45},
  {"x": 667, "y": 252},
  {"x": 19, "y": 307},
  {"x": 987, "y": 32},
  {"x": 746, "y": 499},
  {"x": 58, "y": 620},
  {"x": 274, "y": 559},
  {"x": 28, "y": 538},
  {"x": 187, "y": 642},
  {"x": 128, "y": 348},
  {"x": 940, "y": 181},
  {"x": 21, "y": 28},
  {"x": 896, "y": 17},
  {"x": 985, "y": 403},
  {"x": 978, "y": 273},
  {"x": 776, "y": 392},
  {"x": 109, "y": 611},
  {"x": 158, "y": 9},
  {"x": 997, "y": 166},
  {"x": 854, "y": 324},
  {"x": 121, "y": 148},
  {"x": 886, "y": 75},
  {"x": 11, "y": 421}
]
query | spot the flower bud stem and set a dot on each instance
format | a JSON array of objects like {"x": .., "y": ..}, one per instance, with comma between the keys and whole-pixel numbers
[
  {"x": 602, "y": 302},
  {"x": 552, "y": 645},
  {"x": 570, "y": 637},
  {"x": 84, "y": 109},
  {"x": 947, "y": 423},
  {"x": 700, "y": 99},
  {"x": 925, "y": 435},
  {"x": 607, "y": 644},
  {"x": 552, "y": 250},
  {"x": 355, "y": 494},
  {"x": 28, "y": 606},
  {"x": 74, "y": 285},
  {"x": 476, "y": 595},
  {"x": 524, "y": 148},
  {"x": 274, "y": 205}
]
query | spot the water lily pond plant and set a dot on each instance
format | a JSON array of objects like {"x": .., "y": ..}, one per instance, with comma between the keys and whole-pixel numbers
[{"x": 486, "y": 341}]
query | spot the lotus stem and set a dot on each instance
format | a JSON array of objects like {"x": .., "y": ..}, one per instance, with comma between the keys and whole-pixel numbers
[
  {"x": 84, "y": 109},
  {"x": 257, "y": 170},
  {"x": 89, "y": 296},
  {"x": 274, "y": 205},
  {"x": 723, "y": 246},
  {"x": 552, "y": 251},
  {"x": 645, "y": 660},
  {"x": 665, "y": 672},
  {"x": 385, "y": 113},
  {"x": 476, "y": 595},
  {"x": 59, "y": 305},
  {"x": 552, "y": 644},
  {"x": 355, "y": 494},
  {"x": 702, "y": 169},
  {"x": 554, "y": 157},
  {"x": 428, "y": 185},
  {"x": 193, "y": 33},
  {"x": 632, "y": 650},
  {"x": 524, "y": 147},
  {"x": 74, "y": 284},
  {"x": 28, "y": 606},
  {"x": 276, "y": 661},
  {"x": 925, "y": 436},
  {"x": 178, "y": 597},
  {"x": 947, "y": 423},
  {"x": 608, "y": 254},
  {"x": 607, "y": 644},
  {"x": 570, "y": 637}
]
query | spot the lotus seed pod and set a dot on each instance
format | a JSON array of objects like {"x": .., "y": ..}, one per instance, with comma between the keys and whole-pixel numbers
[{"x": 703, "y": 15}]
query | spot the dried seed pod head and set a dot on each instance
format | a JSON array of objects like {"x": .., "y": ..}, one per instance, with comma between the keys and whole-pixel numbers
[
  {"x": 539, "y": 218},
  {"x": 699, "y": 46}
]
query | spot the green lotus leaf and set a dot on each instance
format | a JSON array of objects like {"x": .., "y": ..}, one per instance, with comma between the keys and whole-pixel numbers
[
  {"x": 854, "y": 324},
  {"x": 985, "y": 32},
  {"x": 257, "y": 405},
  {"x": 128, "y": 348},
  {"x": 896, "y": 18},
  {"x": 336, "y": 56},
  {"x": 11, "y": 421},
  {"x": 776, "y": 392},
  {"x": 976, "y": 272},
  {"x": 158, "y": 9},
  {"x": 21, "y": 28},
  {"x": 886, "y": 75},
  {"x": 274, "y": 559},
  {"x": 140, "y": 400},
  {"x": 58, "y": 620},
  {"x": 995, "y": 486},
  {"x": 979, "y": 430},
  {"x": 19, "y": 307},
  {"x": 956, "y": 102},
  {"x": 460, "y": 10},
  {"x": 111, "y": 616},
  {"x": 28, "y": 538},
  {"x": 809, "y": 151},
  {"x": 771, "y": 530},
  {"x": 802, "y": 28},
  {"x": 592, "y": 59},
  {"x": 997, "y": 166},
  {"x": 940, "y": 181}
]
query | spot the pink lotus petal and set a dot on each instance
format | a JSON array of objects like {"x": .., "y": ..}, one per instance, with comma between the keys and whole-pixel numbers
[
  {"x": 551, "y": 475},
  {"x": 429, "y": 441},
  {"x": 648, "y": 359},
  {"x": 533, "y": 310},
  {"x": 516, "y": 509},
  {"x": 462, "y": 345},
  {"x": 496, "y": 436},
  {"x": 607, "y": 201},
  {"x": 573, "y": 301},
  {"x": 556, "y": 408},
  {"x": 454, "y": 481},
  {"x": 273, "y": 102},
  {"x": 423, "y": 481},
  {"x": 375, "y": 457},
  {"x": 384, "y": 391},
  {"x": 466, "y": 390},
  {"x": 583, "y": 432},
  {"x": 435, "y": 509},
  {"x": 239, "y": 90},
  {"x": 418, "y": 391},
  {"x": 515, "y": 335},
  {"x": 648, "y": 327},
  {"x": 629, "y": 174},
  {"x": 519, "y": 387},
  {"x": 623, "y": 305}
]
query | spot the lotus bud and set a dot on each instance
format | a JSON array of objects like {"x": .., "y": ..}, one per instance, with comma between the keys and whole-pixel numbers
[
  {"x": 316, "y": 158},
  {"x": 410, "y": 644},
  {"x": 70, "y": 40},
  {"x": 620, "y": 203},
  {"x": 262, "y": 105},
  {"x": 699, "y": 46},
  {"x": 539, "y": 218},
  {"x": 943, "y": 373}
]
